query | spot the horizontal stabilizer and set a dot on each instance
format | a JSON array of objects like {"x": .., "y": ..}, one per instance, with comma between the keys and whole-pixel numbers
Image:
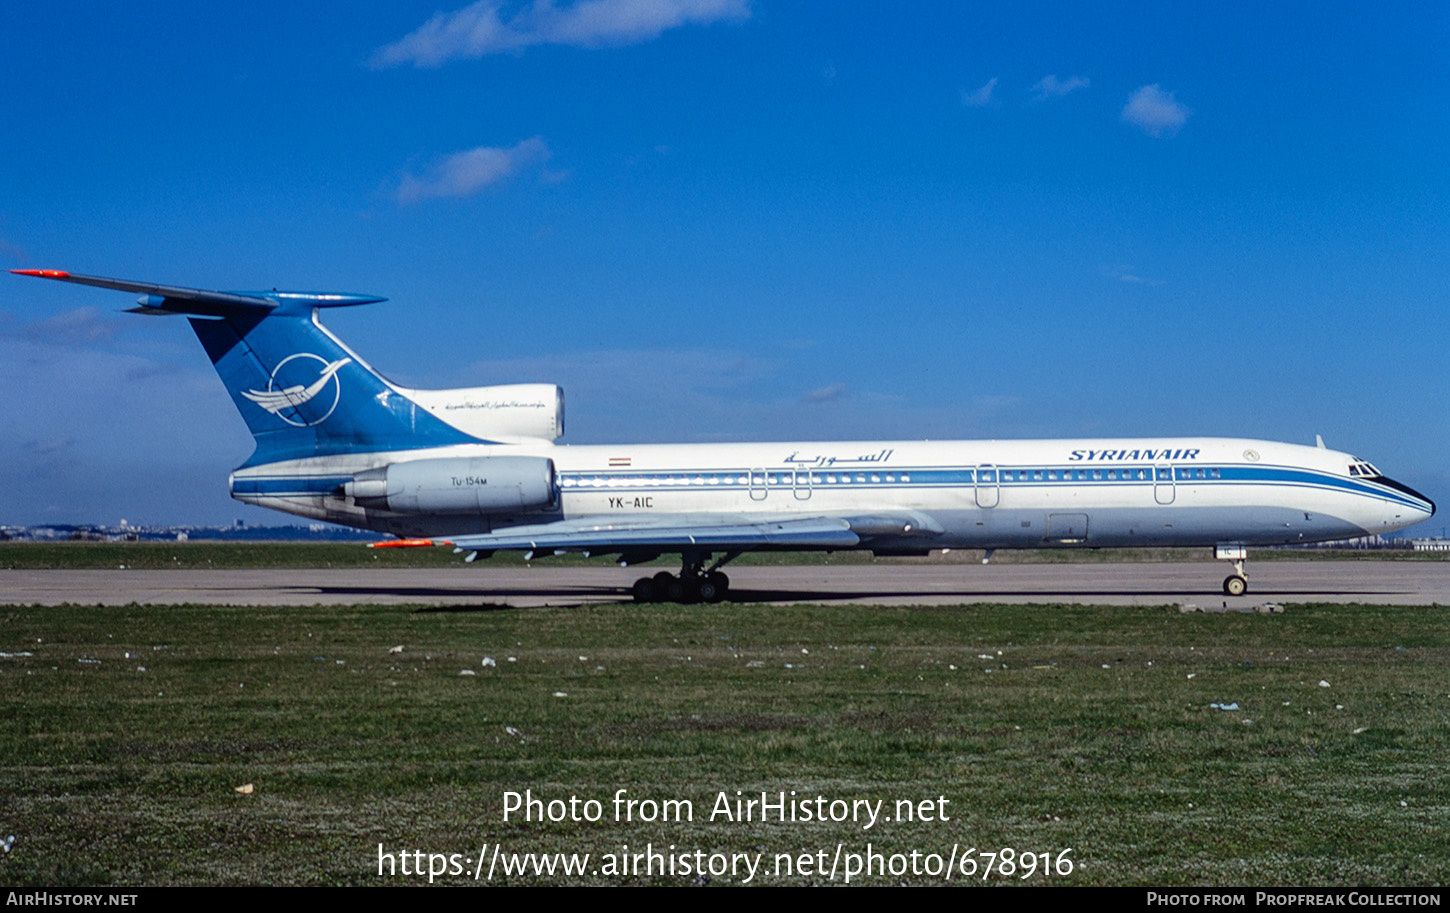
[{"x": 173, "y": 299}]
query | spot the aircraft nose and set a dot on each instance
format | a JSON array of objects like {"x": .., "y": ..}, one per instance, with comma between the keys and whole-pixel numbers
[{"x": 1422, "y": 503}]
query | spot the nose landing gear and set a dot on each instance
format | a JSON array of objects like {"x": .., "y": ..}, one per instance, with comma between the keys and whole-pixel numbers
[{"x": 1237, "y": 583}]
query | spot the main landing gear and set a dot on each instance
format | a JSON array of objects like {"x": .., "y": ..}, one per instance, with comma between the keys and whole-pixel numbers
[
  {"x": 1237, "y": 583},
  {"x": 694, "y": 583}
]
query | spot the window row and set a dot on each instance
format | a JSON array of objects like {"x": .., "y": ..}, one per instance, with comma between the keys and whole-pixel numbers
[
  {"x": 1127, "y": 474},
  {"x": 738, "y": 479},
  {"x": 803, "y": 479}
]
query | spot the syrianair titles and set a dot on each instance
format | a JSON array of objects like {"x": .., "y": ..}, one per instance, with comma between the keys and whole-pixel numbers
[
  {"x": 1134, "y": 455},
  {"x": 479, "y": 468}
]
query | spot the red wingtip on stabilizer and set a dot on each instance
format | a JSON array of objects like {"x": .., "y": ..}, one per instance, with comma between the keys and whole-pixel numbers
[{"x": 46, "y": 273}]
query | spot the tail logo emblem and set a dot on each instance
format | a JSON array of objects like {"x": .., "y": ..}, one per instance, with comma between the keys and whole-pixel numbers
[{"x": 284, "y": 401}]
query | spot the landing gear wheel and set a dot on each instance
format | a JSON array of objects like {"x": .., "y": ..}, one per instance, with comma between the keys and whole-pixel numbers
[
  {"x": 645, "y": 590},
  {"x": 1234, "y": 585},
  {"x": 722, "y": 583},
  {"x": 674, "y": 590},
  {"x": 709, "y": 590}
]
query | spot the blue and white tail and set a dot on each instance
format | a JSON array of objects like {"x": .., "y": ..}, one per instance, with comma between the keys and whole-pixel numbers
[{"x": 303, "y": 393}]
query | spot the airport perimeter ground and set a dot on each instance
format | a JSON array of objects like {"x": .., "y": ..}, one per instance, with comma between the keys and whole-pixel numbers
[{"x": 1138, "y": 744}]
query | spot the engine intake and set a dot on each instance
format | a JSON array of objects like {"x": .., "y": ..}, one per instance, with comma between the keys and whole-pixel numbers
[{"x": 465, "y": 485}]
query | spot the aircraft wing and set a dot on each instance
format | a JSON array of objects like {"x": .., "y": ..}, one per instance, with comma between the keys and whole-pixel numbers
[
  {"x": 672, "y": 533},
  {"x": 668, "y": 533}
]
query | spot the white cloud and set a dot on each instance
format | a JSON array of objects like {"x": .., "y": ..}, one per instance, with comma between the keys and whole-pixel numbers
[
  {"x": 828, "y": 394},
  {"x": 479, "y": 29},
  {"x": 1129, "y": 275},
  {"x": 76, "y": 328},
  {"x": 465, "y": 173},
  {"x": 1154, "y": 111},
  {"x": 13, "y": 251},
  {"x": 79, "y": 417},
  {"x": 1051, "y": 87},
  {"x": 980, "y": 98}
]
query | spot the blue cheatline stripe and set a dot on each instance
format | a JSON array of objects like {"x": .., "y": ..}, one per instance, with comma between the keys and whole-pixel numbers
[
  {"x": 690, "y": 480},
  {"x": 1304, "y": 477}
]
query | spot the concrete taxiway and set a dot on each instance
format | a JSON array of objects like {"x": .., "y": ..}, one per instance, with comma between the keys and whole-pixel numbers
[{"x": 1379, "y": 582}]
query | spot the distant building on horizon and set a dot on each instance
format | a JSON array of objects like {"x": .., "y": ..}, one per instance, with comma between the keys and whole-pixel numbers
[{"x": 1430, "y": 545}]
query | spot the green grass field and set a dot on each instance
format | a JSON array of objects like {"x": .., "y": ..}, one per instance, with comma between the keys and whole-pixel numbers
[{"x": 1085, "y": 729}]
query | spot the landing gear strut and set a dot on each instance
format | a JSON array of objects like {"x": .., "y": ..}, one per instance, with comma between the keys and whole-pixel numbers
[
  {"x": 1237, "y": 583},
  {"x": 694, "y": 583}
]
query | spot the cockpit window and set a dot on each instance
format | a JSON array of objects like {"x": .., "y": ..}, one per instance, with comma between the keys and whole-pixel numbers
[{"x": 1361, "y": 468}]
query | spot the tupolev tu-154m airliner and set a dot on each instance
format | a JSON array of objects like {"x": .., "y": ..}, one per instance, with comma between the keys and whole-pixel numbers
[{"x": 478, "y": 468}]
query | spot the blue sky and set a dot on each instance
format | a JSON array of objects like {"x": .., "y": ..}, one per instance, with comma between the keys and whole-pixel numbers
[{"x": 733, "y": 220}]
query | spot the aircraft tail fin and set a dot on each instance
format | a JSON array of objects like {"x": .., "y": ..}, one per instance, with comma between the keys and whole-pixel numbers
[{"x": 301, "y": 391}]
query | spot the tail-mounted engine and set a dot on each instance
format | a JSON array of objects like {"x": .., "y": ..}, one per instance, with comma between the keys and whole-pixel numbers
[{"x": 476, "y": 485}]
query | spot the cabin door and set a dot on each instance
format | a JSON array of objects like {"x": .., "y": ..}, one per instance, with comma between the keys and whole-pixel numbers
[
  {"x": 802, "y": 484},
  {"x": 1164, "y": 488},
  {"x": 987, "y": 486},
  {"x": 758, "y": 489}
]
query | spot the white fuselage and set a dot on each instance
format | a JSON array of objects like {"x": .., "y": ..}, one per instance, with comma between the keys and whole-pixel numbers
[{"x": 962, "y": 494}]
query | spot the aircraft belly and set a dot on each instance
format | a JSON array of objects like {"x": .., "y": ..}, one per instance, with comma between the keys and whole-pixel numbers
[{"x": 1122, "y": 527}]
